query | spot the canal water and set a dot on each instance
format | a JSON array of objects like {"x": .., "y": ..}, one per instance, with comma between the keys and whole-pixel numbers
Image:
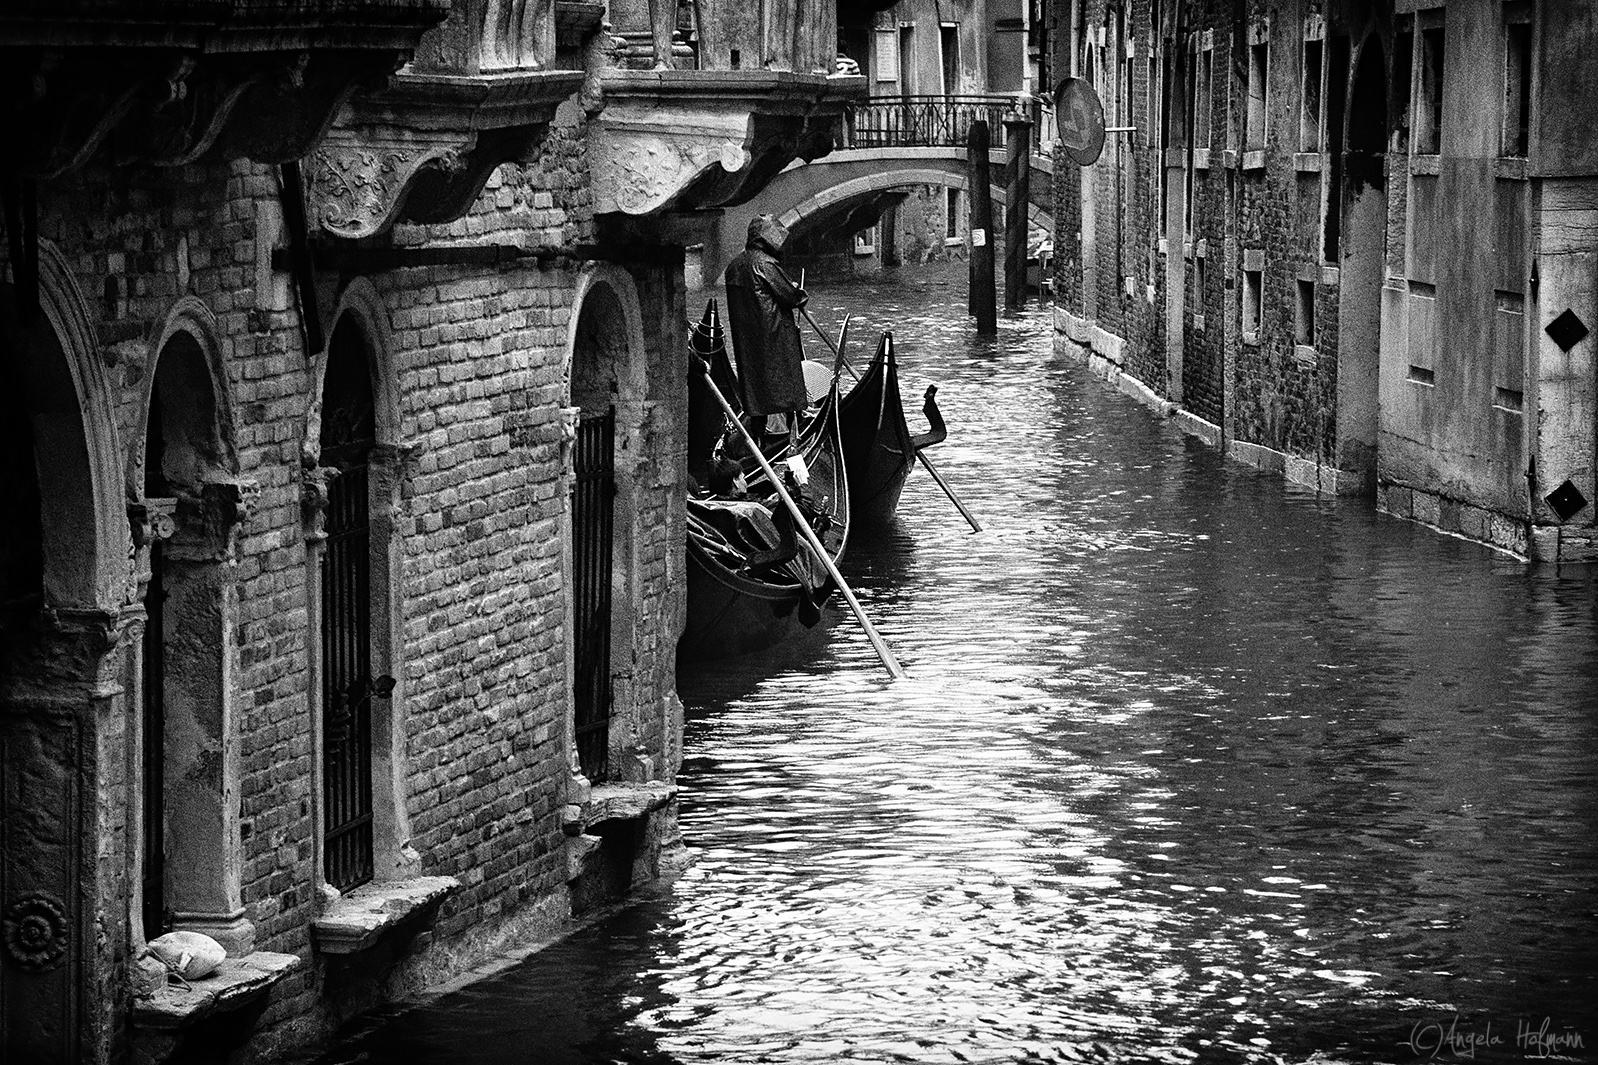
[{"x": 1190, "y": 767}]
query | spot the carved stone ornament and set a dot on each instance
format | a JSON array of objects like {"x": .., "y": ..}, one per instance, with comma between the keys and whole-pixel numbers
[
  {"x": 646, "y": 174},
  {"x": 314, "y": 485},
  {"x": 361, "y": 178},
  {"x": 672, "y": 140},
  {"x": 36, "y": 932}
]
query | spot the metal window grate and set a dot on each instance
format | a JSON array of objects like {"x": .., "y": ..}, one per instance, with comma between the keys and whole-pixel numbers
[
  {"x": 593, "y": 520},
  {"x": 347, "y": 683}
]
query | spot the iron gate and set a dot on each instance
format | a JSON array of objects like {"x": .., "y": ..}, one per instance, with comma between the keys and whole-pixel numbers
[
  {"x": 593, "y": 520},
  {"x": 347, "y": 682},
  {"x": 154, "y": 811}
]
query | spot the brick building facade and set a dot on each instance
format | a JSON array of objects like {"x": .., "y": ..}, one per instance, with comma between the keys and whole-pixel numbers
[
  {"x": 1336, "y": 241},
  {"x": 344, "y": 431}
]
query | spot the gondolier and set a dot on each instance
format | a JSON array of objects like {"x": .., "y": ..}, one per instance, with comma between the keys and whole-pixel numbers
[{"x": 761, "y": 300}]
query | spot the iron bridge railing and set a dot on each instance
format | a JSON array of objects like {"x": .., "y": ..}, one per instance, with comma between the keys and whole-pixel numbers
[{"x": 934, "y": 121}]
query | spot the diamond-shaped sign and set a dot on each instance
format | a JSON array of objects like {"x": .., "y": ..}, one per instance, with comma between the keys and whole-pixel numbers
[
  {"x": 1566, "y": 500},
  {"x": 1567, "y": 330}
]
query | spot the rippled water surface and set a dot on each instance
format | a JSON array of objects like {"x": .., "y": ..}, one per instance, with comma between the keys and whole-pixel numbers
[{"x": 1189, "y": 767}]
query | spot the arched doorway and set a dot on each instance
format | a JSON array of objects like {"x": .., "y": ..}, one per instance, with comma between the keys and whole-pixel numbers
[
  {"x": 1362, "y": 259},
  {"x": 599, "y": 348}
]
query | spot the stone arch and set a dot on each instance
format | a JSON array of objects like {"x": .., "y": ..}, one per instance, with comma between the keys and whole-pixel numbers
[
  {"x": 606, "y": 369},
  {"x": 59, "y": 675},
  {"x": 65, "y": 389},
  {"x": 344, "y": 452},
  {"x": 360, "y": 303},
  {"x": 186, "y": 358},
  {"x": 606, "y": 301},
  {"x": 952, "y": 176}
]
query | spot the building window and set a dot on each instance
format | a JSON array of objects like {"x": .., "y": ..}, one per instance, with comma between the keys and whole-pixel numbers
[
  {"x": 1151, "y": 135},
  {"x": 1403, "y": 73},
  {"x": 1429, "y": 93},
  {"x": 1167, "y": 73},
  {"x": 907, "y": 59},
  {"x": 1259, "y": 65},
  {"x": 1251, "y": 305},
  {"x": 1309, "y": 128},
  {"x": 1509, "y": 352},
  {"x": 1517, "y": 89},
  {"x": 1304, "y": 316},
  {"x": 949, "y": 45},
  {"x": 951, "y": 214}
]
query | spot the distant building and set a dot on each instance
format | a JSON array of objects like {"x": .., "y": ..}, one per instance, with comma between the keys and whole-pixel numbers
[
  {"x": 914, "y": 55},
  {"x": 342, "y": 420},
  {"x": 1352, "y": 242}
]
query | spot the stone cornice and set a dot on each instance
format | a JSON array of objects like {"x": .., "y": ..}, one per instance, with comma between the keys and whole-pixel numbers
[
  {"x": 453, "y": 103},
  {"x": 225, "y": 26},
  {"x": 679, "y": 140},
  {"x": 768, "y": 91}
]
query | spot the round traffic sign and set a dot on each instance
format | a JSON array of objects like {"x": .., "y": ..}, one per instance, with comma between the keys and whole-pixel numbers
[{"x": 1079, "y": 117}]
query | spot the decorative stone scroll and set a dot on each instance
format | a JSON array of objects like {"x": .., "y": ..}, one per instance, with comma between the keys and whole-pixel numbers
[
  {"x": 424, "y": 147},
  {"x": 672, "y": 140},
  {"x": 361, "y": 178}
]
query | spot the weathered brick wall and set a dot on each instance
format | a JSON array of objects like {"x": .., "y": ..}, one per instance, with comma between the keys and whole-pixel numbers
[
  {"x": 1281, "y": 402},
  {"x": 478, "y": 357}
]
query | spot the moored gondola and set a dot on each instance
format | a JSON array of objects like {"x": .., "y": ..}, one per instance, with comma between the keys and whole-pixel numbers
[
  {"x": 878, "y": 447},
  {"x": 751, "y": 581}
]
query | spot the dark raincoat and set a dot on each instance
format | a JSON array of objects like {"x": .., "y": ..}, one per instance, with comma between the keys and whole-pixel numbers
[{"x": 765, "y": 338}]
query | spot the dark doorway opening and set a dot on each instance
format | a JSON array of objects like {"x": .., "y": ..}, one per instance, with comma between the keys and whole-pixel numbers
[{"x": 348, "y": 436}]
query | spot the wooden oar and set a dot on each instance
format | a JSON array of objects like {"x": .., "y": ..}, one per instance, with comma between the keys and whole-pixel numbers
[
  {"x": 891, "y": 663},
  {"x": 920, "y": 455}
]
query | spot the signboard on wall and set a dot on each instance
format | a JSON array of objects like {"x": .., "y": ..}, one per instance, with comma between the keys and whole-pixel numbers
[
  {"x": 885, "y": 61},
  {"x": 1079, "y": 117}
]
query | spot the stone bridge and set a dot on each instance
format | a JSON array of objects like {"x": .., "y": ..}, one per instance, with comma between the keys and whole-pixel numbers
[{"x": 893, "y": 146}]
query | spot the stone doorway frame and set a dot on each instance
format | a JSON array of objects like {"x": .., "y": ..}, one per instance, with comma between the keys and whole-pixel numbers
[
  {"x": 62, "y": 701},
  {"x": 363, "y": 307},
  {"x": 197, "y": 526},
  {"x": 623, "y": 363}
]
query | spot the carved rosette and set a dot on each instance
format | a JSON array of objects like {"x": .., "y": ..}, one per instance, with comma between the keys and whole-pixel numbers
[
  {"x": 360, "y": 180},
  {"x": 36, "y": 932}
]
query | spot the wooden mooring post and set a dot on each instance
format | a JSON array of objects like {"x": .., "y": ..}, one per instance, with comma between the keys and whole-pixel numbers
[
  {"x": 1017, "y": 202},
  {"x": 981, "y": 299}
]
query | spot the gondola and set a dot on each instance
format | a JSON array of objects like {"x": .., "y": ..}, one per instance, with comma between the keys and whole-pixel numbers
[
  {"x": 878, "y": 448},
  {"x": 751, "y": 581}
]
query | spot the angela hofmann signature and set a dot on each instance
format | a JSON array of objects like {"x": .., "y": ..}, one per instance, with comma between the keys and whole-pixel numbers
[{"x": 1534, "y": 1040}]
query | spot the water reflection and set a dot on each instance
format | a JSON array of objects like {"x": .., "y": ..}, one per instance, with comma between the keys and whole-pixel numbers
[{"x": 1188, "y": 768}]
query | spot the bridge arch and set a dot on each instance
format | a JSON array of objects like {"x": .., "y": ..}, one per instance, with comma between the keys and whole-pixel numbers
[{"x": 828, "y": 187}]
